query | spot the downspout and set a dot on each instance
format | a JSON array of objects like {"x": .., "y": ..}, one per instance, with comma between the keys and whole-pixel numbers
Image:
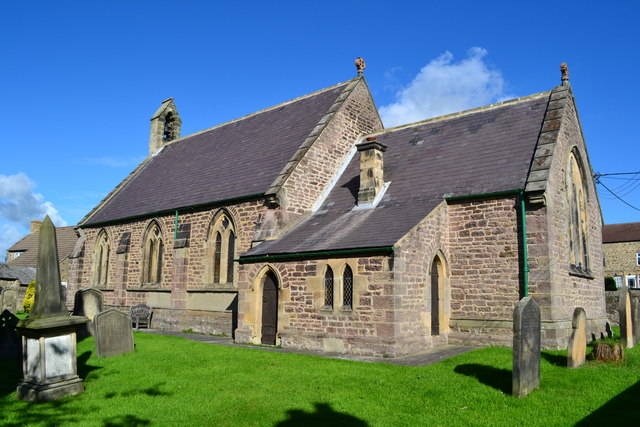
[
  {"x": 525, "y": 255},
  {"x": 175, "y": 227}
]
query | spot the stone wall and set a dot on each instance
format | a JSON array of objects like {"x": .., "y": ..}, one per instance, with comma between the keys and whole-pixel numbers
[
  {"x": 621, "y": 258},
  {"x": 613, "y": 305}
]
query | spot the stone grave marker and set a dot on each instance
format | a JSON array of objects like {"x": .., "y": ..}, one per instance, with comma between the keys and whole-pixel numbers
[
  {"x": 113, "y": 333},
  {"x": 635, "y": 317},
  {"x": 578, "y": 341},
  {"x": 87, "y": 302},
  {"x": 526, "y": 347},
  {"x": 626, "y": 322},
  {"x": 9, "y": 338},
  {"x": 9, "y": 298}
]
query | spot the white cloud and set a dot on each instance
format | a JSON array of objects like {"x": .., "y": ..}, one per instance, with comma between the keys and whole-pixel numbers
[
  {"x": 9, "y": 235},
  {"x": 19, "y": 204},
  {"x": 444, "y": 86}
]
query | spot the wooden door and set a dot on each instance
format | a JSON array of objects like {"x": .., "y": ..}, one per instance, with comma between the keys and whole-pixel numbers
[
  {"x": 435, "y": 297},
  {"x": 269, "y": 309}
]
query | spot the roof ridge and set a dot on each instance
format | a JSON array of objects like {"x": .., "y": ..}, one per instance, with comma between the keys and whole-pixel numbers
[
  {"x": 264, "y": 110},
  {"x": 487, "y": 107}
]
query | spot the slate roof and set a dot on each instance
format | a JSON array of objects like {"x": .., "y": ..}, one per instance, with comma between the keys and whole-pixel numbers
[
  {"x": 236, "y": 159},
  {"x": 471, "y": 153},
  {"x": 626, "y": 232},
  {"x": 65, "y": 236},
  {"x": 24, "y": 274}
]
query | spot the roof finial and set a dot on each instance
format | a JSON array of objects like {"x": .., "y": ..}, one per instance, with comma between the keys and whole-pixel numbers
[
  {"x": 360, "y": 65},
  {"x": 565, "y": 73}
]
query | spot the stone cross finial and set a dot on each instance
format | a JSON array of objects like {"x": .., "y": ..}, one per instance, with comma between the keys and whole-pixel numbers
[
  {"x": 565, "y": 72},
  {"x": 360, "y": 65}
]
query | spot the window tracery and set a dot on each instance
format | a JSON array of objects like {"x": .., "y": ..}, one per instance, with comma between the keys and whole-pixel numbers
[
  {"x": 577, "y": 202},
  {"x": 101, "y": 260},
  {"x": 152, "y": 258}
]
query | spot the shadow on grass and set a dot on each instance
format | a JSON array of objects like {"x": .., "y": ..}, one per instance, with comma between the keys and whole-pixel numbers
[
  {"x": 500, "y": 379},
  {"x": 149, "y": 391},
  {"x": 621, "y": 410},
  {"x": 555, "y": 359},
  {"x": 84, "y": 369},
  {"x": 125, "y": 421},
  {"x": 322, "y": 416}
]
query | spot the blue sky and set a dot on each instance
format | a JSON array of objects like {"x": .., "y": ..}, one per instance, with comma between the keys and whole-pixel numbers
[{"x": 80, "y": 80}]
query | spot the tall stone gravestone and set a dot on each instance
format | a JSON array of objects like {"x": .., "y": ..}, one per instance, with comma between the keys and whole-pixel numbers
[
  {"x": 635, "y": 317},
  {"x": 626, "y": 322},
  {"x": 49, "y": 362},
  {"x": 578, "y": 341},
  {"x": 9, "y": 298},
  {"x": 87, "y": 302},
  {"x": 526, "y": 347},
  {"x": 113, "y": 333}
]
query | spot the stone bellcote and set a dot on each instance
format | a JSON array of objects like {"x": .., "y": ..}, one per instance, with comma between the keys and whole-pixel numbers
[
  {"x": 165, "y": 126},
  {"x": 371, "y": 170}
]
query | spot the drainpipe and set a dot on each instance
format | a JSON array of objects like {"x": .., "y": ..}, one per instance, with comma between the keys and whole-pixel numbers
[
  {"x": 175, "y": 227},
  {"x": 525, "y": 255}
]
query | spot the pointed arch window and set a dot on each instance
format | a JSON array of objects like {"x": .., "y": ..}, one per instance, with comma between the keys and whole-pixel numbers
[
  {"x": 577, "y": 202},
  {"x": 347, "y": 288},
  {"x": 328, "y": 288},
  {"x": 101, "y": 260},
  {"x": 152, "y": 257},
  {"x": 222, "y": 246}
]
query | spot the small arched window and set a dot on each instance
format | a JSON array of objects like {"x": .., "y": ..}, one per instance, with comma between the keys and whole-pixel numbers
[
  {"x": 347, "y": 287},
  {"x": 101, "y": 260},
  {"x": 152, "y": 258},
  {"x": 577, "y": 202},
  {"x": 222, "y": 246},
  {"x": 328, "y": 287}
]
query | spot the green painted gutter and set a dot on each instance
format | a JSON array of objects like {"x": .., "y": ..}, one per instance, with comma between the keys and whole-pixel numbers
[
  {"x": 318, "y": 254},
  {"x": 175, "y": 227},
  {"x": 171, "y": 211}
]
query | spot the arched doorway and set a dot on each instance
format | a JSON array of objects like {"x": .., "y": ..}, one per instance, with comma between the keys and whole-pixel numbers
[
  {"x": 437, "y": 286},
  {"x": 269, "y": 309}
]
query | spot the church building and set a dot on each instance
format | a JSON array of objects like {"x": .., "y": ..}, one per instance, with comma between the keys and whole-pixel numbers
[{"x": 311, "y": 226}]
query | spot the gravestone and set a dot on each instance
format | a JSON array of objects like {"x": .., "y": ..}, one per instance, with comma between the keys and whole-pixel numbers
[
  {"x": 9, "y": 338},
  {"x": 626, "y": 322},
  {"x": 49, "y": 360},
  {"x": 635, "y": 317},
  {"x": 87, "y": 302},
  {"x": 9, "y": 298},
  {"x": 578, "y": 341},
  {"x": 113, "y": 333},
  {"x": 526, "y": 347}
]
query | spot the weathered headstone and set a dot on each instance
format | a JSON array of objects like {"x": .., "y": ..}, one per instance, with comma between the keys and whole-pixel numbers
[
  {"x": 9, "y": 298},
  {"x": 578, "y": 341},
  {"x": 635, "y": 317},
  {"x": 626, "y": 322},
  {"x": 113, "y": 333},
  {"x": 9, "y": 338},
  {"x": 87, "y": 302},
  {"x": 526, "y": 347},
  {"x": 49, "y": 362}
]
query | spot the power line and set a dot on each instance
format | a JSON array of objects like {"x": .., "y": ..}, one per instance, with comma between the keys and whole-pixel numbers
[{"x": 615, "y": 195}]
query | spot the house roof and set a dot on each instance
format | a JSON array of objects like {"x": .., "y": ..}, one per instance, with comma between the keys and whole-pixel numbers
[
  {"x": 487, "y": 150},
  {"x": 237, "y": 159},
  {"x": 626, "y": 232},
  {"x": 24, "y": 274},
  {"x": 65, "y": 236}
]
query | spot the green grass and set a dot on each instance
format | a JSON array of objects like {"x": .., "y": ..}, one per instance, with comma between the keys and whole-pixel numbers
[{"x": 173, "y": 381}]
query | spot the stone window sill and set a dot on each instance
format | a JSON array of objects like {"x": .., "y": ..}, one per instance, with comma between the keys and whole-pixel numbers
[
  {"x": 212, "y": 290},
  {"x": 579, "y": 272},
  {"x": 145, "y": 289}
]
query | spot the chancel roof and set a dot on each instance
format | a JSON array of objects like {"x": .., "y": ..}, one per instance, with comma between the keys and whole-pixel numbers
[
  {"x": 625, "y": 232},
  {"x": 236, "y": 159},
  {"x": 488, "y": 150}
]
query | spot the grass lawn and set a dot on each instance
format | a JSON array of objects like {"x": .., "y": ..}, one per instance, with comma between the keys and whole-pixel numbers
[{"x": 173, "y": 381}]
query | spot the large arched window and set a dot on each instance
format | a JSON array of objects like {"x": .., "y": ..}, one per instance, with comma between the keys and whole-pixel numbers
[
  {"x": 152, "y": 255},
  {"x": 347, "y": 288},
  {"x": 101, "y": 260},
  {"x": 577, "y": 202},
  {"x": 222, "y": 246},
  {"x": 328, "y": 288}
]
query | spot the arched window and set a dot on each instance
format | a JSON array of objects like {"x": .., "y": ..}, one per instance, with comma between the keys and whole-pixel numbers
[
  {"x": 101, "y": 260},
  {"x": 222, "y": 246},
  {"x": 152, "y": 258},
  {"x": 577, "y": 203},
  {"x": 328, "y": 287},
  {"x": 347, "y": 287}
]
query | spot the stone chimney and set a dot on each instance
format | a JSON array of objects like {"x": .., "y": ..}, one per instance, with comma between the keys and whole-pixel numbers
[
  {"x": 165, "y": 126},
  {"x": 35, "y": 225},
  {"x": 371, "y": 170}
]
